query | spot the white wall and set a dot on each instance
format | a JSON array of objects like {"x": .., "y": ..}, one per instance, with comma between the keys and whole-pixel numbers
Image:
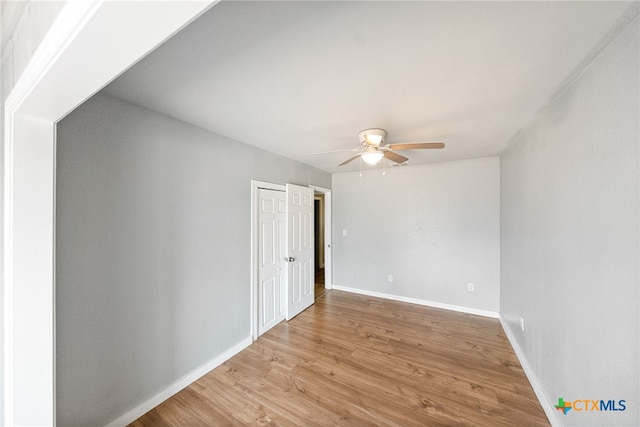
[
  {"x": 570, "y": 240},
  {"x": 153, "y": 252},
  {"x": 435, "y": 228}
]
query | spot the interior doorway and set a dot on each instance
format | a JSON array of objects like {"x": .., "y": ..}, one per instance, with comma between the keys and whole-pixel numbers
[
  {"x": 322, "y": 234},
  {"x": 318, "y": 235}
]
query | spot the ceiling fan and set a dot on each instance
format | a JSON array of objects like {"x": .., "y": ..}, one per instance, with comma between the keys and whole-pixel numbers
[{"x": 374, "y": 148}]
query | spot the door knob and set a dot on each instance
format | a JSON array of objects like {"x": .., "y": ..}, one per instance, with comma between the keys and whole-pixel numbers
[{"x": 290, "y": 259}]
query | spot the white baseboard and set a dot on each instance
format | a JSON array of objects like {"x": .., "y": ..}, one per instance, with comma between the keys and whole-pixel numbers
[
  {"x": 144, "y": 407},
  {"x": 459, "y": 308},
  {"x": 545, "y": 402}
]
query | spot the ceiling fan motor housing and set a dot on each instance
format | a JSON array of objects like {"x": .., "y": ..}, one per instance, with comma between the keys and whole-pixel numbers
[{"x": 372, "y": 137}]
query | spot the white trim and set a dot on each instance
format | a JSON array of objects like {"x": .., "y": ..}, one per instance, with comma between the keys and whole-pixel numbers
[
  {"x": 253, "y": 267},
  {"x": 267, "y": 185},
  {"x": 458, "y": 308},
  {"x": 29, "y": 365},
  {"x": 7, "y": 344},
  {"x": 55, "y": 175},
  {"x": 72, "y": 17},
  {"x": 193, "y": 376},
  {"x": 545, "y": 402}
]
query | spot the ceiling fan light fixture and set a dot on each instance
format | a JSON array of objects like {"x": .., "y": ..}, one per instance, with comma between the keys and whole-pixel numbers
[{"x": 372, "y": 156}]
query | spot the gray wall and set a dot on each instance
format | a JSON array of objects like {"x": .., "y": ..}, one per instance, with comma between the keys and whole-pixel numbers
[
  {"x": 435, "y": 228},
  {"x": 153, "y": 252},
  {"x": 570, "y": 239}
]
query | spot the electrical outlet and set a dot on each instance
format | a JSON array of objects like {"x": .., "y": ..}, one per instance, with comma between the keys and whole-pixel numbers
[
  {"x": 522, "y": 323},
  {"x": 344, "y": 231},
  {"x": 390, "y": 278},
  {"x": 471, "y": 287}
]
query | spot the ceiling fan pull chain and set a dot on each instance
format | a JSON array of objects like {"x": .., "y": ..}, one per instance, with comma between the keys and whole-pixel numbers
[{"x": 360, "y": 166}]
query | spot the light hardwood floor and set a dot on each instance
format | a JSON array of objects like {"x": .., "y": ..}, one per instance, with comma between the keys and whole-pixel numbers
[{"x": 356, "y": 360}]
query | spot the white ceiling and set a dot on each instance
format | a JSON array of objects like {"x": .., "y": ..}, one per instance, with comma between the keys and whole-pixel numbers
[{"x": 296, "y": 78}]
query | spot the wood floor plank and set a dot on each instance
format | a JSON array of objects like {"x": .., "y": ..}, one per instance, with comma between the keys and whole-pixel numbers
[{"x": 356, "y": 360}]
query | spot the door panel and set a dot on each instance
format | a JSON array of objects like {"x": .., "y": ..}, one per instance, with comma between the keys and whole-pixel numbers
[
  {"x": 300, "y": 277},
  {"x": 271, "y": 271},
  {"x": 282, "y": 236}
]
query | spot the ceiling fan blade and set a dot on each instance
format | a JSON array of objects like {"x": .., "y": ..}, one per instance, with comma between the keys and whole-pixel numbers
[
  {"x": 416, "y": 145},
  {"x": 335, "y": 151},
  {"x": 395, "y": 157},
  {"x": 349, "y": 160}
]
